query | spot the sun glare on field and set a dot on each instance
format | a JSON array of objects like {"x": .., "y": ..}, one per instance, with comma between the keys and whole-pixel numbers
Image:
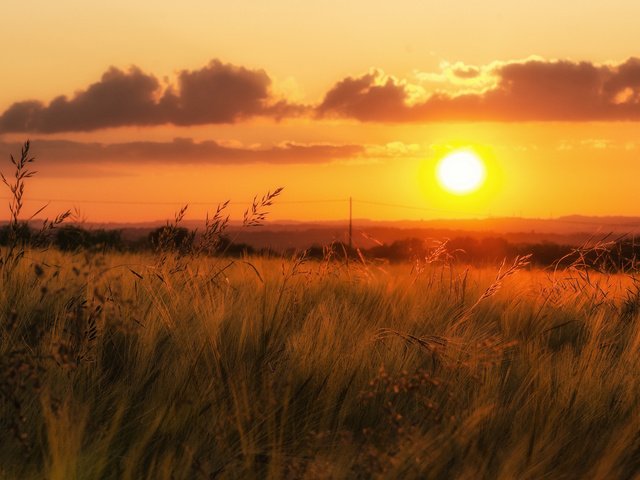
[{"x": 461, "y": 172}]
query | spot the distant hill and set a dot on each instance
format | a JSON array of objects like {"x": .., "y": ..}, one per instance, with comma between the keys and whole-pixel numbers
[{"x": 282, "y": 235}]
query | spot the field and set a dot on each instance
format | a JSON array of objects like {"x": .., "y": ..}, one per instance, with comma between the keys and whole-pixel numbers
[{"x": 124, "y": 366}]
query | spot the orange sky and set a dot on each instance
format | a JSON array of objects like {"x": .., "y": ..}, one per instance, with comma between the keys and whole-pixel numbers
[{"x": 330, "y": 100}]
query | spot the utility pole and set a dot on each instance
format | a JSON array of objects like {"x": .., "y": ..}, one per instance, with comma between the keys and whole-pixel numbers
[{"x": 350, "y": 223}]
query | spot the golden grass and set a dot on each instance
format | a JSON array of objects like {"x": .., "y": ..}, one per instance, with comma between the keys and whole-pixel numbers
[{"x": 115, "y": 366}]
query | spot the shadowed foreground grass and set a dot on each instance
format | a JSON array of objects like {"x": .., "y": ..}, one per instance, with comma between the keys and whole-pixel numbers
[{"x": 115, "y": 367}]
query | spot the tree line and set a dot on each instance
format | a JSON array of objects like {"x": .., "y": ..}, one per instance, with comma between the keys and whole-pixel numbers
[{"x": 614, "y": 254}]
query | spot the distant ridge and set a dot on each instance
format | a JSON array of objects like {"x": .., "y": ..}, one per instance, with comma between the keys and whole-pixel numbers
[
  {"x": 557, "y": 225},
  {"x": 291, "y": 234}
]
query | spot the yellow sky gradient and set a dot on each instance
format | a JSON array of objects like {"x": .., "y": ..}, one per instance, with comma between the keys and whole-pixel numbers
[{"x": 536, "y": 169}]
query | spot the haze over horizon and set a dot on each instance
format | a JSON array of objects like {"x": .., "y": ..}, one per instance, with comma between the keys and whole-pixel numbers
[{"x": 135, "y": 109}]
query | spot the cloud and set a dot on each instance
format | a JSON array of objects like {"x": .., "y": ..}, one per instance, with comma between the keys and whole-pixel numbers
[
  {"x": 119, "y": 98},
  {"x": 56, "y": 154},
  {"x": 220, "y": 93},
  {"x": 217, "y": 93},
  {"x": 368, "y": 98},
  {"x": 531, "y": 90}
]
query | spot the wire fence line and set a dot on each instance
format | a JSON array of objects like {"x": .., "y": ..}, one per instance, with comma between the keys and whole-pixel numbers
[
  {"x": 279, "y": 202},
  {"x": 346, "y": 201},
  {"x": 144, "y": 203}
]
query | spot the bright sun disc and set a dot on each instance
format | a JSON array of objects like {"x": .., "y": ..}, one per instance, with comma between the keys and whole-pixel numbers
[{"x": 461, "y": 172}]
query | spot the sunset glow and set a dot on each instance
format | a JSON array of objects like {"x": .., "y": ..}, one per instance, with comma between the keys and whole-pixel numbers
[
  {"x": 302, "y": 240},
  {"x": 203, "y": 102}
]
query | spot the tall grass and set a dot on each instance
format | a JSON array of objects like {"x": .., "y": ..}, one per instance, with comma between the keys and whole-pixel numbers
[
  {"x": 288, "y": 370},
  {"x": 124, "y": 366}
]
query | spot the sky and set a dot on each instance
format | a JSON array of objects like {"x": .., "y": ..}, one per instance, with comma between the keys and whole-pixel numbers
[{"x": 134, "y": 108}]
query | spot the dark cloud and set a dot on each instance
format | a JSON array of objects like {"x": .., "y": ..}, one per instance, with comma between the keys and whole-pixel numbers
[
  {"x": 53, "y": 154},
  {"x": 364, "y": 98},
  {"x": 533, "y": 90},
  {"x": 217, "y": 93},
  {"x": 220, "y": 93},
  {"x": 625, "y": 85},
  {"x": 119, "y": 98}
]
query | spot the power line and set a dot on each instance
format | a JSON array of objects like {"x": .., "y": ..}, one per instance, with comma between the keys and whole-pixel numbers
[
  {"x": 142, "y": 202},
  {"x": 416, "y": 207},
  {"x": 562, "y": 220},
  {"x": 281, "y": 202},
  {"x": 301, "y": 202}
]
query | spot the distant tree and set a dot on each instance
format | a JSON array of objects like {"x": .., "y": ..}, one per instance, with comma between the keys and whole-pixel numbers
[
  {"x": 316, "y": 251},
  {"x": 409, "y": 248},
  {"x": 170, "y": 237},
  {"x": 107, "y": 239},
  {"x": 544, "y": 253},
  {"x": 69, "y": 238},
  {"x": 21, "y": 231},
  {"x": 493, "y": 249},
  {"x": 464, "y": 248}
]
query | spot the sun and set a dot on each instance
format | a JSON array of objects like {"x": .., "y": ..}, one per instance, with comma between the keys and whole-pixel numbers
[{"x": 461, "y": 172}]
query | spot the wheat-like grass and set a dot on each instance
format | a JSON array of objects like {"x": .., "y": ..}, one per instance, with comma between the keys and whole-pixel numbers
[{"x": 119, "y": 365}]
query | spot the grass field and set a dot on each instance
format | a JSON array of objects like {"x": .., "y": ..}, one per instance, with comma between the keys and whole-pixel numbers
[{"x": 118, "y": 366}]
